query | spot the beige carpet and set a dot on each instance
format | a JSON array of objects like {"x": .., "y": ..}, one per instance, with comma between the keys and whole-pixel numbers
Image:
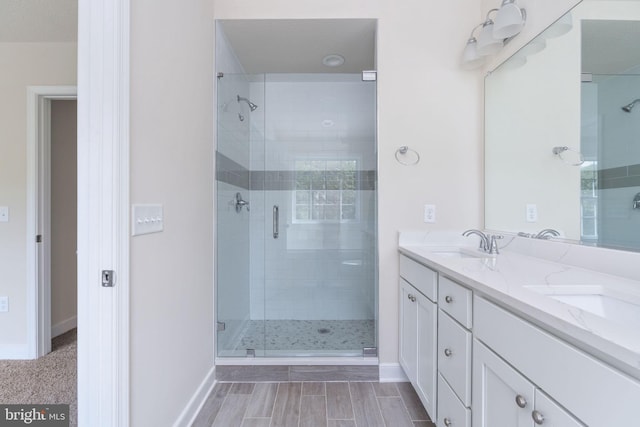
[{"x": 51, "y": 379}]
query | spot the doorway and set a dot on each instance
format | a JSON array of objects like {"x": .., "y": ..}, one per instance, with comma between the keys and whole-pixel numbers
[{"x": 44, "y": 185}]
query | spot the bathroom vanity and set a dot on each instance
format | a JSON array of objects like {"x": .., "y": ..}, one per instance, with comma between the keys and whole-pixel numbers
[{"x": 541, "y": 334}]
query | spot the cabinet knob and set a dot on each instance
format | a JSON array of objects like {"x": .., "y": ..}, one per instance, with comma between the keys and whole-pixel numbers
[
  {"x": 448, "y": 352},
  {"x": 411, "y": 298},
  {"x": 521, "y": 401},
  {"x": 538, "y": 418},
  {"x": 448, "y": 299},
  {"x": 447, "y": 422}
]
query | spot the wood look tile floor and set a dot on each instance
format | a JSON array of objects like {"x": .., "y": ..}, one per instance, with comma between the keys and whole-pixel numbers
[{"x": 313, "y": 404}]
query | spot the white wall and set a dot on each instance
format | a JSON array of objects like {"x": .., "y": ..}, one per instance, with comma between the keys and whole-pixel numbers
[
  {"x": 21, "y": 65},
  {"x": 172, "y": 164},
  {"x": 425, "y": 101}
]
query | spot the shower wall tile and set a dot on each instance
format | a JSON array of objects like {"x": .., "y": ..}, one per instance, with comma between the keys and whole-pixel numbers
[{"x": 231, "y": 172}]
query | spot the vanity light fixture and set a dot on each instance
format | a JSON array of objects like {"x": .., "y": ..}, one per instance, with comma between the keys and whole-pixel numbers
[
  {"x": 470, "y": 57},
  {"x": 508, "y": 22},
  {"x": 487, "y": 43}
]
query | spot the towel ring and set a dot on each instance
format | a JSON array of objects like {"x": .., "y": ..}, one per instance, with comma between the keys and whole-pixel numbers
[
  {"x": 559, "y": 150},
  {"x": 404, "y": 151}
]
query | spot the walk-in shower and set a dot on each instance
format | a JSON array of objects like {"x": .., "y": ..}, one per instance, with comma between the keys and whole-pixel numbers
[{"x": 296, "y": 274}]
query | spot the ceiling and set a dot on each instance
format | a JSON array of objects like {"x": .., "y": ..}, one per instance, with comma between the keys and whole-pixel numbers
[
  {"x": 298, "y": 46},
  {"x": 610, "y": 47},
  {"x": 38, "y": 21}
]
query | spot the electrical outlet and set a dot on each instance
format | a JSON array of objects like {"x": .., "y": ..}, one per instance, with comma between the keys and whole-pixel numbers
[
  {"x": 4, "y": 304},
  {"x": 532, "y": 213},
  {"x": 430, "y": 213}
]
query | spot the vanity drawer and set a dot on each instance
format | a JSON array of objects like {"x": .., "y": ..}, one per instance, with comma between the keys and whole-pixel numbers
[
  {"x": 596, "y": 393},
  {"x": 420, "y": 277},
  {"x": 455, "y": 300},
  {"x": 454, "y": 356},
  {"x": 451, "y": 412}
]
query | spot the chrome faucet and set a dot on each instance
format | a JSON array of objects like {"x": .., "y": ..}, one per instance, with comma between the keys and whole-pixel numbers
[
  {"x": 488, "y": 242},
  {"x": 484, "y": 240},
  {"x": 547, "y": 233}
]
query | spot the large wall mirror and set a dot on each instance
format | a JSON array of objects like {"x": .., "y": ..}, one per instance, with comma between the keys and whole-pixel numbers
[{"x": 562, "y": 130}]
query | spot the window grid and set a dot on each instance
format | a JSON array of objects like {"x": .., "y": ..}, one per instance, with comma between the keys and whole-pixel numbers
[{"x": 325, "y": 191}]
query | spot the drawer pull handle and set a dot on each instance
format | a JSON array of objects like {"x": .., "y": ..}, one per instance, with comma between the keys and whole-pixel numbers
[
  {"x": 448, "y": 299},
  {"x": 538, "y": 418},
  {"x": 411, "y": 298},
  {"x": 447, "y": 422},
  {"x": 521, "y": 401},
  {"x": 448, "y": 352}
]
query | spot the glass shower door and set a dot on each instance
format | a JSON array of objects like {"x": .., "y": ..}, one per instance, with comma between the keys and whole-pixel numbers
[
  {"x": 235, "y": 292},
  {"x": 319, "y": 225}
]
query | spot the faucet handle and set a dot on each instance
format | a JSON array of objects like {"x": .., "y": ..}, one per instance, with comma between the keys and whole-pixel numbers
[{"x": 493, "y": 243}]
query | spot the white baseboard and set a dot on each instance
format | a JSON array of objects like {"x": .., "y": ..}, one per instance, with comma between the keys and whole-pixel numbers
[
  {"x": 392, "y": 373},
  {"x": 189, "y": 413},
  {"x": 64, "y": 326},
  {"x": 14, "y": 352}
]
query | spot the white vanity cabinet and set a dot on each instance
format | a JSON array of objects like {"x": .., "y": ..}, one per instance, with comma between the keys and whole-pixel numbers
[
  {"x": 505, "y": 398},
  {"x": 418, "y": 328},
  {"x": 508, "y": 349}
]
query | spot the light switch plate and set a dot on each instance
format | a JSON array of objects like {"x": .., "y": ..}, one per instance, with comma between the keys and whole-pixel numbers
[
  {"x": 146, "y": 219},
  {"x": 4, "y": 304},
  {"x": 4, "y": 214}
]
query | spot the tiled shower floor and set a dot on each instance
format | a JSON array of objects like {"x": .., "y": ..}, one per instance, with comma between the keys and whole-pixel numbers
[{"x": 295, "y": 336}]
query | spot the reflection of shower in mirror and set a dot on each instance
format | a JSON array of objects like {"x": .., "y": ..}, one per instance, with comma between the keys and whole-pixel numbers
[{"x": 627, "y": 108}]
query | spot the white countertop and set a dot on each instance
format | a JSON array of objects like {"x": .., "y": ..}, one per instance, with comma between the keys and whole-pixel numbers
[{"x": 524, "y": 262}]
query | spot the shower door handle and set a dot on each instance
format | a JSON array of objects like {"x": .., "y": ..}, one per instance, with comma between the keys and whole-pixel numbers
[{"x": 276, "y": 221}]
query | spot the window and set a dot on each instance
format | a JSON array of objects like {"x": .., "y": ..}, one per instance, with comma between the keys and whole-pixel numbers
[{"x": 325, "y": 191}]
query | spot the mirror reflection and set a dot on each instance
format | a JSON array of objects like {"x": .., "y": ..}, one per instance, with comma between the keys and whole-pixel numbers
[{"x": 562, "y": 131}]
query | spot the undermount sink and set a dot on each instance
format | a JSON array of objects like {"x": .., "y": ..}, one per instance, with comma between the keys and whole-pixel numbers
[
  {"x": 608, "y": 303},
  {"x": 460, "y": 253}
]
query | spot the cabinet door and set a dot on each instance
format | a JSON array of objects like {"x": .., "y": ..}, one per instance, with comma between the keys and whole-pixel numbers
[
  {"x": 550, "y": 414},
  {"x": 408, "y": 330},
  {"x": 501, "y": 396},
  {"x": 427, "y": 353}
]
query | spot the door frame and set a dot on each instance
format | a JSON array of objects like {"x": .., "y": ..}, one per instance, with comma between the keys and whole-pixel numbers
[
  {"x": 39, "y": 213},
  {"x": 103, "y": 212}
]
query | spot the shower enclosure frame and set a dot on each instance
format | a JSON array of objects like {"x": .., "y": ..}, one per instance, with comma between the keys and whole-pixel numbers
[{"x": 329, "y": 357}]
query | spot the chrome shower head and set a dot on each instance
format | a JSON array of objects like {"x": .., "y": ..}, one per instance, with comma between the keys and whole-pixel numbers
[
  {"x": 627, "y": 108},
  {"x": 251, "y": 105}
]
